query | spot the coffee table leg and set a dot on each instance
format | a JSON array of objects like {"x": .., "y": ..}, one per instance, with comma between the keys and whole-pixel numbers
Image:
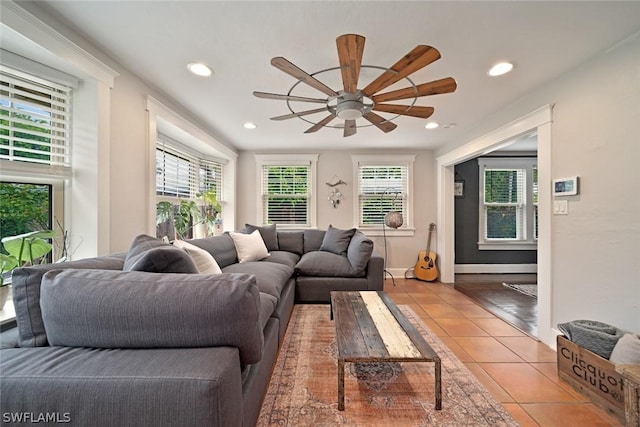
[
  {"x": 340, "y": 384},
  {"x": 438, "y": 385}
]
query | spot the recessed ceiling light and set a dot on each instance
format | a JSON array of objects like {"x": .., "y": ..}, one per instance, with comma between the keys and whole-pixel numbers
[
  {"x": 249, "y": 125},
  {"x": 200, "y": 69},
  {"x": 431, "y": 125},
  {"x": 500, "y": 69}
]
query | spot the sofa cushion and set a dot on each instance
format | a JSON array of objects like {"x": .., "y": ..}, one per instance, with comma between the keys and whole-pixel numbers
[
  {"x": 336, "y": 240},
  {"x": 155, "y": 256},
  {"x": 326, "y": 264},
  {"x": 124, "y": 387},
  {"x": 313, "y": 240},
  {"x": 291, "y": 241},
  {"x": 268, "y": 305},
  {"x": 250, "y": 247},
  {"x": 220, "y": 247},
  {"x": 271, "y": 277},
  {"x": 204, "y": 261},
  {"x": 26, "y": 284},
  {"x": 268, "y": 233},
  {"x": 283, "y": 257},
  {"x": 359, "y": 252},
  {"x": 118, "y": 309}
]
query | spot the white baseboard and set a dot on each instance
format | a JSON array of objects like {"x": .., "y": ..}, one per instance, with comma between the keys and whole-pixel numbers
[
  {"x": 398, "y": 273},
  {"x": 496, "y": 268}
]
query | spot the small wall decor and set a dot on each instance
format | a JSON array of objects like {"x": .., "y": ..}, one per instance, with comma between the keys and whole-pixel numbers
[
  {"x": 458, "y": 185},
  {"x": 335, "y": 195}
]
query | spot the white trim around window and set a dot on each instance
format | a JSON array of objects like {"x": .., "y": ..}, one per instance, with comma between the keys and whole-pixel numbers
[
  {"x": 385, "y": 160},
  {"x": 310, "y": 160}
]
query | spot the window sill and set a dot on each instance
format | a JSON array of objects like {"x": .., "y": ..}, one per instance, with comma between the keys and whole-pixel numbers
[
  {"x": 378, "y": 231},
  {"x": 507, "y": 246}
]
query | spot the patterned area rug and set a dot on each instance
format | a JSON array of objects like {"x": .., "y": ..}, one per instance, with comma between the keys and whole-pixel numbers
[
  {"x": 303, "y": 389},
  {"x": 529, "y": 289}
]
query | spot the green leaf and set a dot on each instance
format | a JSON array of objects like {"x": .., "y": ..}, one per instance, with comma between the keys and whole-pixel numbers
[
  {"x": 7, "y": 263},
  {"x": 29, "y": 246}
]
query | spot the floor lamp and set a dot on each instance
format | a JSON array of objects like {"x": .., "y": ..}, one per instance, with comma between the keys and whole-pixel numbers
[{"x": 392, "y": 219}]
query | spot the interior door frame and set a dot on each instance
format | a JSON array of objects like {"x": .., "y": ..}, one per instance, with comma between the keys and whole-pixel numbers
[{"x": 540, "y": 120}]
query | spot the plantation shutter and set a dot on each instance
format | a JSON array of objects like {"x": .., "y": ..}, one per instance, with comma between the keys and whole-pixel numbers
[
  {"x": 380, "y": 190},
  {"x": 35, "y": 120},
  {"x": 286, "y": 194},
  {"x": 210, "y": 178}
]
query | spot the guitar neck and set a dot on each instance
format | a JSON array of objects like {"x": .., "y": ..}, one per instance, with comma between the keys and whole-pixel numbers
[{"x": 431, "y": 227}]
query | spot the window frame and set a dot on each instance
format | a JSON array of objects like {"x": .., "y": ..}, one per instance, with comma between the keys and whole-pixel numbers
[
  {"x": 383, "y": 160},
  {"x": 527, "y": 239},
  {"x": 285, "y": 160}
]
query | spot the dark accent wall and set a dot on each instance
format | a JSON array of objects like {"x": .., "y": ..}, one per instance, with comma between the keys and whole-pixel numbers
[{"x": 466, "y": 217}]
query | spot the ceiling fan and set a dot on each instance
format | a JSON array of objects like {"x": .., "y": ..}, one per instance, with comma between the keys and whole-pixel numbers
[{"x": 351, "y": 103}]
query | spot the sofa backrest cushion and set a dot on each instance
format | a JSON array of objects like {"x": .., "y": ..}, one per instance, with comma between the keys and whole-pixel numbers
[
  {"x": 313, "y": 240},
  {"x": 268, "y": 233},
  {"x": 291, "y": 241},
  {"x": 336, "y": 240},
  {"x": 359, "y": 251},
  {"x": 26, "y": 283},
  {"x": 325, "y": 264},
  {"x": 220, "y": 247},
  {"x": 118, "y": 309},
  {"x": 155, "y": 256}
]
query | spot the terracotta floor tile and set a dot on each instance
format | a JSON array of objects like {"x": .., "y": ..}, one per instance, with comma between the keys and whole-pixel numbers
[
  {"x": 529, "y": 349},
  {"x": 456, "y": 349},
  {"x": 550, "y": 370},
  {"x": 497, "y": 327},
  {"x": 460, "y": 327},
  {"x": 440, "y": 310},
  {"x": 526, "y": 384},
  {"x": 456, "y": 298},
  {"x": 426, "y": 298},
  {"x": 565, "y": 415},
  {"x": 472, "y": 311},
  {"x": 402, "y": 298},
  {"x": 498, "y": 392},
  {"x": 520, "y": 415},
  {"x": 487, "y": 349},
  {"x": 433, "y": 326}
]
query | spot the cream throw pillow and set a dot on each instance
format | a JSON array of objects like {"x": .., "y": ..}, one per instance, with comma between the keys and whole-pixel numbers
[
  {"x": 204, "y": 261},
  {"x": 249, "y": 247}
]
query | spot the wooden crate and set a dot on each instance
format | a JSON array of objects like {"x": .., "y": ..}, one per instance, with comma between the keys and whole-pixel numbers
[{"x": 591, "y": 375}]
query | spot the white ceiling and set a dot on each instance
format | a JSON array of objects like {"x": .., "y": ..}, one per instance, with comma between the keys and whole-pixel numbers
[{"x": 156, "y": 39}]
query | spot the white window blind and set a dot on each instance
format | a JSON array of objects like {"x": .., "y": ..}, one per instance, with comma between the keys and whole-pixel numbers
[
  {"x": 35, "y": 120},
  {"x": 381, "y": 188},
  {"x": 182, "y": 175},
  {"x": 508, "y": 209},
  {"x": 286, "y": 194}
]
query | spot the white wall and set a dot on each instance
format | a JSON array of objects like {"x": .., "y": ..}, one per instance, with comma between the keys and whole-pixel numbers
[
  {"x": 402, "y": 251},
  {"x": 595, "y": 135}
]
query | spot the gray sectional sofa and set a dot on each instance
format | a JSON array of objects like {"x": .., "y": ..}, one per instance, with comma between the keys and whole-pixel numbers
[{"x": 101, "y": 343}]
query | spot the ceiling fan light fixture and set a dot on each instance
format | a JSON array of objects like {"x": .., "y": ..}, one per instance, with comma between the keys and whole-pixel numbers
[
  {"x": 349, "y": 110},
  {"x": 200, "y": 69},
  {"x": 500, "y": 69}
]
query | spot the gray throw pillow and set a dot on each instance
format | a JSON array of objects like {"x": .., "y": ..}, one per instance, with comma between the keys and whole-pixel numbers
[
  {"x": 337, "y": 240},
  {"x": 359, "y": 251},
  {"x": 268, "y": 233},
  {"x": 154, "y": 256}
]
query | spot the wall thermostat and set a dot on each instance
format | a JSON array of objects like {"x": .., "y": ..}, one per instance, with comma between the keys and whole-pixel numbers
[{"x": 565, "y": 186}]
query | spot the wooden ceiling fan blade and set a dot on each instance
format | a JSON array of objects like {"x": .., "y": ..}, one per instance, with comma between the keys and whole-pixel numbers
[
  {"x": 266, "y": 95},
  {"x": 405, "y": 110},
  {"x": 350, "y": 128},
  {"x": 322, "y": 123},
  {"x": 350, "y": 51},
  {"x": 283, "y": 65},
  {"x": 418, "y": 58},
  {"x": 380, "y": 122},
  {"x": 446, "y": 85},
  {"x": 299, "y": 114}
]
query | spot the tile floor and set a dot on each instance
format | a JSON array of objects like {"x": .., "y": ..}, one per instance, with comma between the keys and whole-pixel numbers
[{"x": 518, "y": 370}]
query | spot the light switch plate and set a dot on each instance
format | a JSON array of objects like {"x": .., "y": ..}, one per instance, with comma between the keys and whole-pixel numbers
[{"x": 560, "y": 207}]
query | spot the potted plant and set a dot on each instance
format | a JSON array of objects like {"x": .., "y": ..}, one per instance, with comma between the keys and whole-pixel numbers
[
  {"x": 22, "y": 250},
  {"x": 188, "y": 214}
]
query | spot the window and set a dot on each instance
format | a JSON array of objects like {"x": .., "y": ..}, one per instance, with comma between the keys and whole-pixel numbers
[
  {"x": 35, "y": 138},
  {"x": 287, "y": 190},
  {"x": 384, "y": 184},
  {"x": 509, "y": 203}
]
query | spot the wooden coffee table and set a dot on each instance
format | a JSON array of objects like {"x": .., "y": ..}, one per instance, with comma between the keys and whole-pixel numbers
[{"x": 371, "y": 328}]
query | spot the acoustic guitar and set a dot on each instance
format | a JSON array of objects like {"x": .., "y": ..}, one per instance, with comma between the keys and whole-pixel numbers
[{"x": 425, "y": 268}]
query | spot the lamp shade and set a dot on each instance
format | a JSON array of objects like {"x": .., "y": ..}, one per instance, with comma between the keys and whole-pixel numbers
[{"x": 393, "y": 219}]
